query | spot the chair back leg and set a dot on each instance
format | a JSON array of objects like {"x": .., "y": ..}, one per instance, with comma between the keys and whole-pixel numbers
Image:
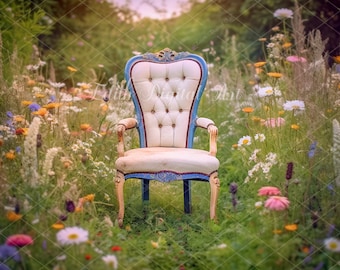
[
  {"x": 187, "y": 196},
  {"x": 214, "y": 189}
]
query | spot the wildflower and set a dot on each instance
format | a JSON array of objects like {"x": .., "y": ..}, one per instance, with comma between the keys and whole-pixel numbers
[
  {"x": 248, "y": 109},
  {"x": 10, "y": 155},
  {"x": 70, "y": 206},
  {"x": 34, "y": 107},
  {"x": 289, "y": 171},
  {"x": 277, "y": 203},
  {"x": 13, "y": 216},
  {"x": 58, "y": 225},
  {"x": 19, "y": 240},
  {"x": 260, "y": 137},
  {"x": 259, "y": 64},
  {"x": 274, "y": 74},
  {"x": 262, "y": 39},
  {"x": 295, "y": 126},
  {"x": 26, "y": 102},
  {"x": 295, "y": 59},
  {"x": 39, "y": 95},
  {"x": 283, "y": 13},
  {"x": 111, "y": 261},
  {"x": 31, "y": 82},
  {"x": 116, "y": 248},
  {"x": 337, "y": 59},
  {"x": 268, "y": 191},
  {"x": 294, "y": 105},
  {"x": 265, "y": 91},
  {"x": 52, "y": 105},
  {"x": 72, "y": 69},
  {"x": 258, "y": 204},
  {"x": 85, "y": 127},
  {"x": 291, "y": 227},
  {"x": 287, "y": 45},
  {"x": 84, "y": 86},
  {"x": 245, "y": 140},
  {"x": 332, "y": 244},
  {"x": 41, "y": 112},
  {"x": 277, "y": 231},
  {"x": 72, "y": 235},
  {"x": 7, "y": 252},
  {"x": 57, "y": 84},
  {"x": 21, "y": 131},
  {"x": 89, "y": 198},
  {"x": 256, "y": 119},
  {"x": 274, "y": 122},
  {"x": 154, "y": 244}
]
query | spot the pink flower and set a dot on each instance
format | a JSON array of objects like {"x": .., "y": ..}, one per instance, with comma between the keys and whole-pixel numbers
[
  {"x": 277, "y": 203},
  {"x": 274, "y": 122},
  {"x": 19, "y": 240},
  {"x": 295, "y": 59},
  {"x": 268, "y": 191}
]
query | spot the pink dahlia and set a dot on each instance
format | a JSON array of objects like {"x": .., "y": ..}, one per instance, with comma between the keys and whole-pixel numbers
[
  {"x": 268, "y": 191},
  {"x": 19, "y": 240},
  {"x": 277, "y": 203}
]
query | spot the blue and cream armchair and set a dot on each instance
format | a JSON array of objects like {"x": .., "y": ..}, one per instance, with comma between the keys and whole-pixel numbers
[{"x": 166, "y": 88}]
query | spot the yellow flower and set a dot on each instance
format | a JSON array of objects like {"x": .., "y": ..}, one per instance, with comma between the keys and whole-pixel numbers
[
  {"x": 154, "y": 244},
  {"x": 262, "y": 39},
  {"x": 259, "y": 64},
  {"x": 248, "y": 109},
  {"x": 19, "y": 118},
  {"x": 72, "y": 69},
  {"x": 256, "y": 119},
  {"x": 274, "y": 74},
  {"x": 291, "y": 227},
  {"x": 277, "y": 231},
  {"x": 58, "y": 225},
  {"x": 12, "y": 216},
  {"x": 295, "y": 126},
  {"x": 10, "y": 155},
  {"x": 104, "y": 107},
  {"x": 282, "y": 112}
]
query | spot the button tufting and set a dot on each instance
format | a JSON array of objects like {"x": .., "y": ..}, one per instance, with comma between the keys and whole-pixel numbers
[
  {"x": 152, "y": 111},
  {"x": 167, "y": 110},
  {"x": 150, "y": 79},
  {"x": 180, "y": 110},
  {"x": 160, "y": 125},
  {"x": 166, "y": 79},
  {"x": 183, "y": 78},
  {"x": 173, "y": 125},
  {"x": 175, "y": 94}
]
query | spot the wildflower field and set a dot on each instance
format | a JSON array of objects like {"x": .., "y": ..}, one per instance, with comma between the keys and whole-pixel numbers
[{"x": 278, "y": 146}]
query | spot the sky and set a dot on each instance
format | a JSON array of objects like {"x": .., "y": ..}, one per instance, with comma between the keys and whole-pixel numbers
[{"x": 155, "y": 9}]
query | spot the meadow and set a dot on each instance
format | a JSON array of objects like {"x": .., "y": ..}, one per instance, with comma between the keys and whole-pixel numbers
[{"x": 279, "y": 152}]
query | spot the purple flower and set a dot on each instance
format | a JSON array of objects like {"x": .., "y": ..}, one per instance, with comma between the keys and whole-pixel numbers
[
  {"x": 9, "y": 252},
  {"x": 312, "y": 149},
  {"x": 289, "y": 171},
  {"x": 9, "y": 114},
  {"x": 70, "y": 206},
  {"x": 34, "y": 107}
]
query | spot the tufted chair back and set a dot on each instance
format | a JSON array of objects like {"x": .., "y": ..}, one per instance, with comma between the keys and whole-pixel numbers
[{"x": 166, "y": 88}]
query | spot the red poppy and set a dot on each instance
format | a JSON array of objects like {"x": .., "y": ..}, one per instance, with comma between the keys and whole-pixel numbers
[{"x": 116, "y": 248}]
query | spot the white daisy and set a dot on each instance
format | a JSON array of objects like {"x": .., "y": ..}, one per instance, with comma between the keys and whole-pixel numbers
[
  {"x": 291, "y": 105},
  {"x": 72, "y": 235},
  {"x": 332, "y": 244},
  {"x": 111, "y": 261},
  {"x": 245, "y": 140},
  {"x": 283, "y": 13}
]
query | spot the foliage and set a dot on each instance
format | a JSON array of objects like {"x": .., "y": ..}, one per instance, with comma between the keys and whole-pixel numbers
[{"x": 57, "y": 146}]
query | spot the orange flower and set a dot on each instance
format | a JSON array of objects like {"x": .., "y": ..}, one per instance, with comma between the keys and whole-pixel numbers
[
  {"x": 30, "y": 82},
  {"x": 235, "y": 146},
  {"x": 19, "y": 118},
  {"x": 286, "y": 45},
  {"x": 26, "y": 102},
  {"x": 282, "y": 112},
  {"x": 12, "y": 216},
  {"x": 277, "y": 231},
  {"x": 295, "y": 127},
  {"x": 259, "y": 64},
  {"x": 52, "y": 105},
  {"x": 248, "y": 109},
  {"x": 72, "y": 69},
  {"x": 39, "y": 95},
  {"x": 256, "y": 119},
  {"x": 274, "y": 74},
  {"x": 58, "y": 225},
  {"x": 85, "y": 127},
  {"x": 291, "y": 227},
  {"x": 41, "y": 112},
  {"x": 337, "y": 59},
  {"x": 10, "y": 155},
  {"x": 89, "y": 198}
]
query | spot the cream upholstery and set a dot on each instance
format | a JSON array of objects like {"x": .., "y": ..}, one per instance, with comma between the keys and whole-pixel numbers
[{"x": 166, "y": 89}]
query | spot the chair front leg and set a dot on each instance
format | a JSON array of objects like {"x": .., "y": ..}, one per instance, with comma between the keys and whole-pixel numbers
[
  {"x": 214, "y": 189},
  {"x": 119, "y": 183}
]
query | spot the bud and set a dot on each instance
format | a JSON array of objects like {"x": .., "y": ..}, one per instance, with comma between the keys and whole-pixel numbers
[{"x": 289, "y": 171}]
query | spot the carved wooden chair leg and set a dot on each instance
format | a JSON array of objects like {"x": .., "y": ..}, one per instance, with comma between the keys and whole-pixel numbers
[
  {"x": 214, "y": 187},
  {"x": 119, "y": 183}
]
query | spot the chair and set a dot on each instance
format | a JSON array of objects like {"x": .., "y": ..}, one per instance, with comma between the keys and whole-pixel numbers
[{"x": 166, "y": 88}]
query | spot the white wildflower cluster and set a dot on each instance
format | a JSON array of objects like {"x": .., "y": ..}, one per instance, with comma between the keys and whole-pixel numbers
[
  {"x": 102, "y": 170},
  {"x": 48, "y": 163},
  {"x": 264, "y": 166},
  {"x": 6, "y": 133},
  {"x": 29, "y": 161}
]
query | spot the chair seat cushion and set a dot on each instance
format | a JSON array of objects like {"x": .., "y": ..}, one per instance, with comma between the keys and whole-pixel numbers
[{"x": 157, "y": 159}]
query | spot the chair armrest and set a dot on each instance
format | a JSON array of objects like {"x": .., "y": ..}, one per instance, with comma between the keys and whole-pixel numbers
[
  {"x": 213, "y": 131},
  {"x": 123, "y": 125}
]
